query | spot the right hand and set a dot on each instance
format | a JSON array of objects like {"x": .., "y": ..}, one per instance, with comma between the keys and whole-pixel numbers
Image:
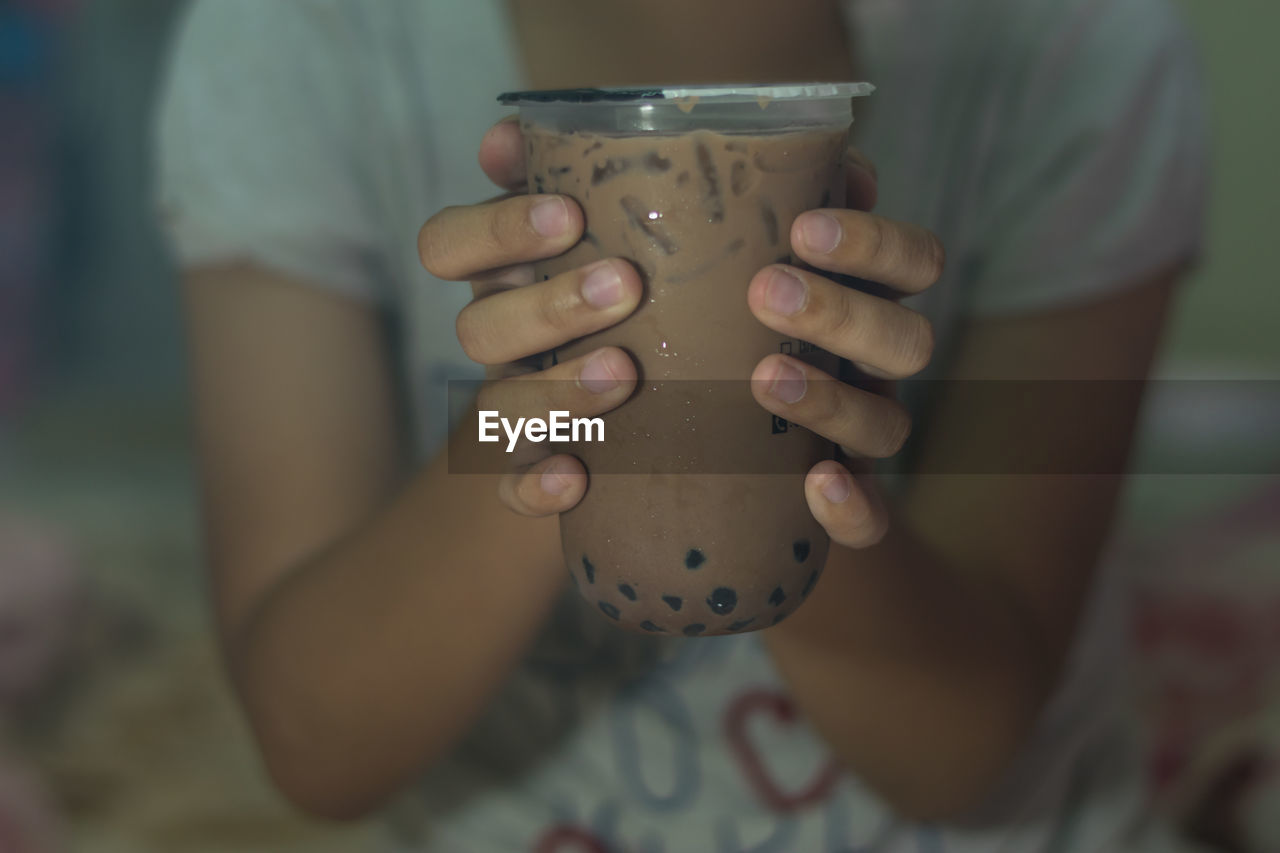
[{"x": 513, "y": 318}]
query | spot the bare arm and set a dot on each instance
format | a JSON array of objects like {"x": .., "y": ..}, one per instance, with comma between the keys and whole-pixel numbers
[
  {"x": 347, "y": 597},
  {"x": 365, "y": 619},
  {"x": 925, "y": 659}
]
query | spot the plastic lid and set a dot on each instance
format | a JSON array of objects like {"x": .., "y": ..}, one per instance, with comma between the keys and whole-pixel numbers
[{"x": 721, "y": 93}]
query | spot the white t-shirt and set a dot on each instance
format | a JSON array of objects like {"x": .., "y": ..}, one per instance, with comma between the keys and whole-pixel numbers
[{"x": 1057, "y": 147}]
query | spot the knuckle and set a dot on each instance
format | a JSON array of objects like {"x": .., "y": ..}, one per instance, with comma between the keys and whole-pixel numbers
[
  {"x": 828, "y": 407},
  {"x": 436, "y": 247},
  {"x": 895, "y": 431},
  {"x": 553, "y": 312},
  {"x": 498, "y": 227},
  {"x": 875, "y": 244},
  {"x": 917, "y": 343},
  {"x": 470, "y": 329},
  {"x": 845, "y": 322},
  {"x": 935, "y": 260},
  {"x": 514, "y": 230},
  {"x": 824, "y": 409}
]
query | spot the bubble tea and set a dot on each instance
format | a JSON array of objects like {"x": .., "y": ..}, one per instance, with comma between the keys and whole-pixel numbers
[{"x": 695, "y": 521}]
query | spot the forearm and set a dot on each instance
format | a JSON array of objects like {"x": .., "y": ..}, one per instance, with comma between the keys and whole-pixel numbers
[
  {"x": 924, "y": 679},
  {"x": 366, "y": 663}
]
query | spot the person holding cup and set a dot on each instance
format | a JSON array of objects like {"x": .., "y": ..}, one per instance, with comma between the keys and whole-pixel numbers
[{"x": 399, "y": 634}]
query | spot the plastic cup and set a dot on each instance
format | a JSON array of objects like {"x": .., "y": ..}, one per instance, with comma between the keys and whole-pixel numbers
[{"x": 695, "y": 521}]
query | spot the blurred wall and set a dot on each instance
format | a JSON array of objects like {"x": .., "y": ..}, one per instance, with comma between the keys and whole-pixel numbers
[
  {"x": 114, "y": 318},
  {"x": 1228, "y": 315}
]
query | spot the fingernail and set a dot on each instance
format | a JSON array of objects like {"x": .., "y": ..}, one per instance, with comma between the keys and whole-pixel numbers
[
  {"x": 554, "y": 481},
  {"x": 821, "y": 233},
  {"x": 788, "y": 383},
  {"x": 836, "y": 489},
  {"x": 596, "y": 376},
  {"x": 550, "y": 217},
  {"x": 786, "y": 294},
  {"x": 602, "y": 287}
]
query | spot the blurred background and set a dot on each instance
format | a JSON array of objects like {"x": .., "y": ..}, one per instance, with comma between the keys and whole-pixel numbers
[{"x": 116, "y": 733}]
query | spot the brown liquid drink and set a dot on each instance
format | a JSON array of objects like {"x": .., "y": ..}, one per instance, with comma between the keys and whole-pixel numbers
[{"x": 680, "y": 531}]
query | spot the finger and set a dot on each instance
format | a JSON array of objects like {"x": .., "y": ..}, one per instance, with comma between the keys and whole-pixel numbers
[
  {"x": 502, "y": 155},
  {"x": 867, "y": 424},
  {"x": 583, "y": 387},
  {"x": 503, "y": 279},
  {"x": 459, "y": 243},
  {"x": 901, "y": 255},
  {"x": 884, "y": 338},
  {"x": 848, "y": 507},
  {"x": 861, "y": 181},
  {"x": 521, "y": 321},
  {"x": 551, "y": 486}
]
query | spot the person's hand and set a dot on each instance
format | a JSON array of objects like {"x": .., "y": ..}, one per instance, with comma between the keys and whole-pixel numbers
[
  {"x": 513, "y": 318},
  {"x": 879, "y": 338}
]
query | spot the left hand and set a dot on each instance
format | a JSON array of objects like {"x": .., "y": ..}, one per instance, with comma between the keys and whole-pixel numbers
[{"x": 881, "y": 338}]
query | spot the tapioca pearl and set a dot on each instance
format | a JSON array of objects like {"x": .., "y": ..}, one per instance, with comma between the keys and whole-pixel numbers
[
  {"x": 740, "y": 624},
  {"x": 722, "y": 601},
  {"x": 588, "y": 569},
  {"x": 780, "y": 617},
  {"x": 809, "y": 584},
  {"x": 694, "y": 630},
  {"x": 652, "y": 628},
  {"x": 675, "y": 602},
  {"x": 777, "y": 597},
  {"x": 627, "y": 592},
  {"x": 694, "y": 559},
  {"x": 609, "y": 610},
  {"x": 800, "y": 548}
]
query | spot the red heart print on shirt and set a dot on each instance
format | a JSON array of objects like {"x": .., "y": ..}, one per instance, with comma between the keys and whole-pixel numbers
[{"x": 781, "y": 710}]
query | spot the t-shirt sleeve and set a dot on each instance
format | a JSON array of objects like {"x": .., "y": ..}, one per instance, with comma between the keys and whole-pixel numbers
[
  {"x": 1102, "y": 175},
  {"x": 255, "y": 131}
]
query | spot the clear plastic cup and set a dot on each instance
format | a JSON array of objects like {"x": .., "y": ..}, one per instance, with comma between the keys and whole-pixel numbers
[{"x": 695, "y": 521}]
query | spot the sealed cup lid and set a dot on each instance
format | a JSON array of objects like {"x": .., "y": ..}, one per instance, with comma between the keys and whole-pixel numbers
[{"x": 719, "y": 93}]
